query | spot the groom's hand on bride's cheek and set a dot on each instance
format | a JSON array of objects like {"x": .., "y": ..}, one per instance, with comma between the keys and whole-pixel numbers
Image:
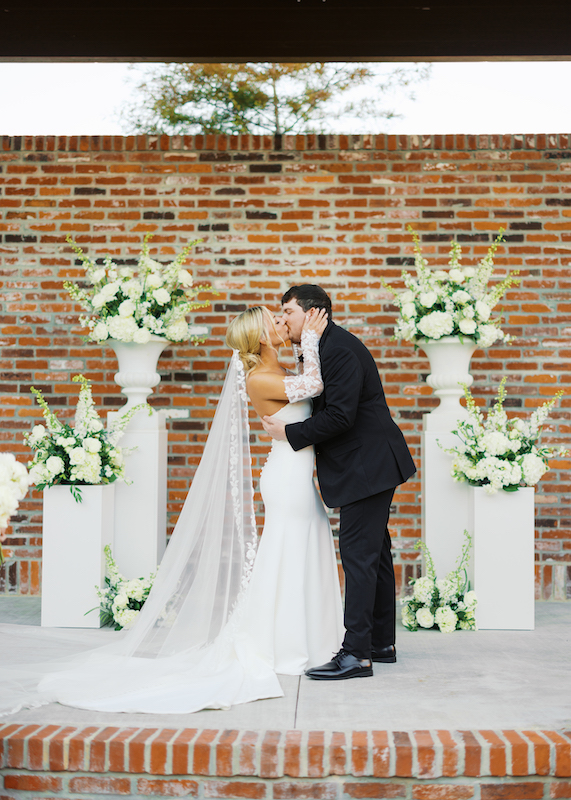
[{"x": 275, "y": 427}]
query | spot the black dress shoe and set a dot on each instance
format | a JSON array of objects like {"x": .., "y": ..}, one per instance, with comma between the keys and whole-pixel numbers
[
  {"x": 386, "y": 655},
  {"x": 343, "y": 665}
]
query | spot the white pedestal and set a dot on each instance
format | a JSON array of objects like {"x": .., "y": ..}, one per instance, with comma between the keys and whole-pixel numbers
[
  {"x": 73, "y": 561},
  {"x": 445, "y": 502},
  {"x": 502, "y": 566}
]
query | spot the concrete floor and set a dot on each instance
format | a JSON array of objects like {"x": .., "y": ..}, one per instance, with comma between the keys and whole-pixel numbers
[{"x": 483, "y": 680}]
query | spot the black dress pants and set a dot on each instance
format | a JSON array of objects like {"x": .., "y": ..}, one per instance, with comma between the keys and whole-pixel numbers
[{"x": 365, "y": 546}]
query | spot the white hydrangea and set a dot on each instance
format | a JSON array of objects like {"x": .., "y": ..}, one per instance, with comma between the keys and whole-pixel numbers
[
  {"x": 488, "y": 335},
  {"x": 495, "y": 443},
  {"x": 436, "y": 325},
  {"x": 37, "y": 434},
  {"x": 408, "y": 619},
  {"x": 447, "y": 588},
  {"x": 177, "y": 331},
  {"x": 89, "y": 470},
  {"x": 470, "y": 599},
  {"x": 100, "y": 332},
  {"x": 446, "y": 619},
  {"x": 441, "y": 274},
  {"x": 133, "y": 289},
  {"x": 425, "y": 618},
  {"x": 533, "y": 468},
  {"x": 126, "y": 617},
  {"x": 483, "y": 310},
  {"x": 469, "y": 272},
  {"x": 8, "y": 505},
  {"x": 423, "y": 589},
  {"x": 122, "y": 328},
  {"x": 134, "y": 589}
]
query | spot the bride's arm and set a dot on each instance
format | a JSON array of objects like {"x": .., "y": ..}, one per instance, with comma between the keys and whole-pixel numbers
[{"x": 309, "y": 382}]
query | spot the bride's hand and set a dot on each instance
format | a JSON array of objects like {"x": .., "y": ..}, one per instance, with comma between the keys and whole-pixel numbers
[{"x": 315, "y": 320}]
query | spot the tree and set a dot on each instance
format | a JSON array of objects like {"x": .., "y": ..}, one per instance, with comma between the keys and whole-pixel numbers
[{"x": 260, "y": 97}]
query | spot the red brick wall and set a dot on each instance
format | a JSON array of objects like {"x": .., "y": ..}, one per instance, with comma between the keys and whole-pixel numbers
[{"x": 331, "y": 210}]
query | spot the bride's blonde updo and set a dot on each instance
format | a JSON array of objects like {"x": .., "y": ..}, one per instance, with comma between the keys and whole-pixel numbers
[{"x": 245, "y": 333}]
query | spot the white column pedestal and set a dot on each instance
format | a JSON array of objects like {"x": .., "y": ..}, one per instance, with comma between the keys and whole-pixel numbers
[
  {"x": 141, "y": 506},
  {"x": 445, "y": 502},
  {"x": 73, "y": 561},
  {"x": 502, "y": 566}
]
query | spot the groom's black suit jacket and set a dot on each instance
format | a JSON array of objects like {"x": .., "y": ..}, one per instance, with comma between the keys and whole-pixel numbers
[{"x": 359, "y": 448}]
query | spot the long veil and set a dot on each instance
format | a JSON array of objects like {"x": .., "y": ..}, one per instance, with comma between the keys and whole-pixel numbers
[{"x": 196, "y": 598}]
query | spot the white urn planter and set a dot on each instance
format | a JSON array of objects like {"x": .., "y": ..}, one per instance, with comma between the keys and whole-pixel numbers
[
  {"x": 137, "y": 374},
  {"x": 73, "y": 561},
  {"x": 502, "y": 569},
  {"x": 445, "y": 503},
  {"x": 449, "y": 368},
  {"x": 141, "y": 505}
]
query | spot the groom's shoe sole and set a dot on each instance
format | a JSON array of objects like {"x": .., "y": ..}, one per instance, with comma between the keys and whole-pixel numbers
[{"x": 388, "y": 655}]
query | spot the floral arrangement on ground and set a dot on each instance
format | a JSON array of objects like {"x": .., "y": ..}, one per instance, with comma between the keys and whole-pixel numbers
[
  {"x": 84, "y": 454},
  {"x": 123, "y": 598},
  {"x": 453, "y": 302},
  {"x": 446, "y": 604},
  {"x": 497, "y": 452},
  {"x": 14, "y": 482},
  {"x": 132, "y": 305}
]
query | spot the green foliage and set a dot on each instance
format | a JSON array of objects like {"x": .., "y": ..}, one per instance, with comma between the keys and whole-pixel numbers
[{"x": 259, "y": 98}]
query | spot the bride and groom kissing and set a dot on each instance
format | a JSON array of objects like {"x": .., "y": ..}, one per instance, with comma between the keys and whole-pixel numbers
[{"x": 222, "y": 620}]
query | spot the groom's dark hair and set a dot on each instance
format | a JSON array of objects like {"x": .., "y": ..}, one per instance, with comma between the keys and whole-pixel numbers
[{"x": 308, "y": 295}]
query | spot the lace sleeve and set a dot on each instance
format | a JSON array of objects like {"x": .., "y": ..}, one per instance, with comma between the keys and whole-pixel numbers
[{"x": 309, "y": 383}]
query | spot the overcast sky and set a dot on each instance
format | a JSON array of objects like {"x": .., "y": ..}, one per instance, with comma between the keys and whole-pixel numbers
[{"x": 482, "y": 97}]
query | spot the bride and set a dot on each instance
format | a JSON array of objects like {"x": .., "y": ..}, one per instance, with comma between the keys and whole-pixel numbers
[{"x": 221, "y": 621}]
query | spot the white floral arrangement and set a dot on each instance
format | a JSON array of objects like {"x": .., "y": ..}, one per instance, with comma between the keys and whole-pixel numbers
[
  {"x": 123, "y": 599},
  {"x": 14, "y": 482},
  {"x": 452, "y": 302},
  {"x": 85, "y": 454},
  {"x": 497, "y": 452},
  {"x": 446, "y": 604},
  {"x": 133, "y": 305}
]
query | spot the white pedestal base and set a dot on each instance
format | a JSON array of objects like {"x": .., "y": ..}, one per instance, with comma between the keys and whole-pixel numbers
[
  {"x": 445, "y": 502},
  {"x": 502, "y": 565},
  {"x": 73, "y": 561},
  {"x": 141, "y": 506}
]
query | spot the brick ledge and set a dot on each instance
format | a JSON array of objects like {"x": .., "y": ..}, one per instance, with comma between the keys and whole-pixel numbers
[{"x": 293, "y": 754}]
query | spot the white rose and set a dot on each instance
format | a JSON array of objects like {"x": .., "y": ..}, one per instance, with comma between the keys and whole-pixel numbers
[
  {"x": 142, "y": 336},
  {"x": 424, "y": 618},
  {"x": 110, "y": 289},
  {"x": 127, "y": 308},
  {"x": 91, "y": 445},
  {"x": 126, "y": 272},
  {"x": 467, "y": 326},
  {"x": 55, "y": 465},
  {"x": 461, "y": 297},
  {"x": 483, "y": 310},
  {"x": 38, "y": 433},
  {"x": 408, "y": 310},
  {"x": 428, "y": 299},
  {"x": 98, "y": 300},
  {"x": 77, "y": 455},
  {"x": 97, "y": 275},
  {"x": 441, "y": 274},
  {"x": 469, "y": 272},
  {"x": 154, "y": 281},
  {"x": 161, "y": 296},
  {"x": 406, "y": 297},
  {"x": 185, "y": 278},
  {"x": 456, "y": 275},
  {"x": 121, "y": 600}
]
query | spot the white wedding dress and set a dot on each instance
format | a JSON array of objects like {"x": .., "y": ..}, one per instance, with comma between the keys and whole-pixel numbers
[{"x": 287, "y": 617}]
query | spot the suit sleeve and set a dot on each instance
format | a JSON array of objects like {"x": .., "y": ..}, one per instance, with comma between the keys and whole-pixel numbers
[{"x": 343, "y": 378}]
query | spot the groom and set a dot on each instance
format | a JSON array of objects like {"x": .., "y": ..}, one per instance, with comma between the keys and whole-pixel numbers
[{"x": 361, "y": 458}]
